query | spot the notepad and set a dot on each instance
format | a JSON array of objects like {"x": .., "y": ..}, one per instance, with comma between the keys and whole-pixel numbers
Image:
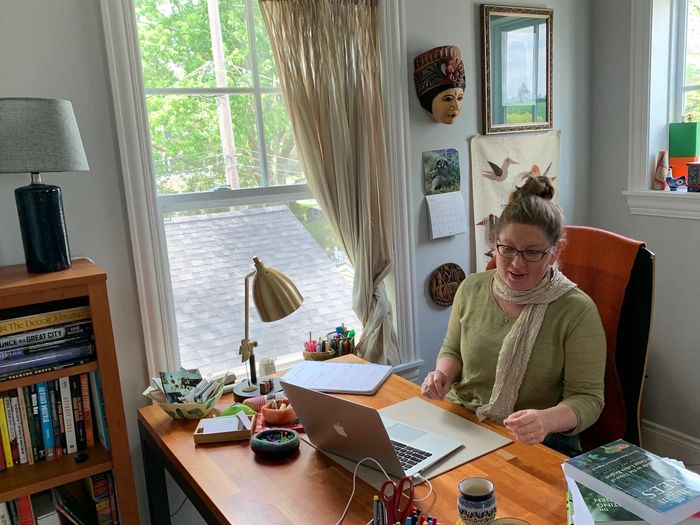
[{"x": 339, "y": 378}]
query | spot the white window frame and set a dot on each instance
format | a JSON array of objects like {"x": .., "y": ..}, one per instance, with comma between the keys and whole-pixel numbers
[
  {"x": 653, "y": 57},
  {"x": 145, "y": 207}
]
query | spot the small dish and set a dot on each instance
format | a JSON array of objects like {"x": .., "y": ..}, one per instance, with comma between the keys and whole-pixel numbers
[
  {"x": 274, "y": 442},
  {"x": 278, "y": 416}
]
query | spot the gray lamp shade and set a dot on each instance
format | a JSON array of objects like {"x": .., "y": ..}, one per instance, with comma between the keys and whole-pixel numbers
[{"x": 39, "y": 135}]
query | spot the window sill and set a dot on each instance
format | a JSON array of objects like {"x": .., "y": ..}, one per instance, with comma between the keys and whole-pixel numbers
[{"x": 678, "y": 205}]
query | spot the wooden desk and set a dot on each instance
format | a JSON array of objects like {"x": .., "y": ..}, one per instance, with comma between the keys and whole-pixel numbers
[{"x": 228, "y": 484}]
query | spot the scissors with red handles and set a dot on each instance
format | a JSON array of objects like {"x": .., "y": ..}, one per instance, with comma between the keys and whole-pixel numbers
[{"x": 393, "y": 495}]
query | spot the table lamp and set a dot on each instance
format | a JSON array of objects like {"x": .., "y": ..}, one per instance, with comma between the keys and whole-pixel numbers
[
  {"x": 275, "y": 297},
  {"x": 39, "y": 135}
]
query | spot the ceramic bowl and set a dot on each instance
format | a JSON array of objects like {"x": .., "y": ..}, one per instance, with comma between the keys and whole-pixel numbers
[
  {"x": 277, "y": 416},
  {"x": 191, "y": 410},
  {"x": 275, "y": 442}
]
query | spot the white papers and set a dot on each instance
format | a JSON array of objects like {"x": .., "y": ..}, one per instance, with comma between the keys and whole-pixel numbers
[
  {"x": 339, "y": 378},
  {"x": 447, "y": 214}
]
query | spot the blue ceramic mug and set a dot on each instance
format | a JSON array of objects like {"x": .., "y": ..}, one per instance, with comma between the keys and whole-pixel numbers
[{"x": 476, "y": 503}]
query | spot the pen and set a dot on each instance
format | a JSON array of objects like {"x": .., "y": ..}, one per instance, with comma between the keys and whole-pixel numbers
[{"x": 375, "y": 510}]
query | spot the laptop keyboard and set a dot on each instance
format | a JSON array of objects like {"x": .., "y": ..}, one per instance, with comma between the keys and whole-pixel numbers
[{"x": 409, "y": 456}]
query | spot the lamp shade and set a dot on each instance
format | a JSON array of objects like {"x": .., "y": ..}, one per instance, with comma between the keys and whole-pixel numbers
[
  {"x": 39, "y": 135},
  {"x": 274, "y": 294}
]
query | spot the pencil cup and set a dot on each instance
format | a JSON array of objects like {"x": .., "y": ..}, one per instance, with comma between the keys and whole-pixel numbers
[
  {"x": 266, "y": 367},
  {"x": 476, "y": 502}
]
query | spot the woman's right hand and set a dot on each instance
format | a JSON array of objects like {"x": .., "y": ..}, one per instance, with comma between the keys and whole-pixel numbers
[{"x": 435, "y": 385}]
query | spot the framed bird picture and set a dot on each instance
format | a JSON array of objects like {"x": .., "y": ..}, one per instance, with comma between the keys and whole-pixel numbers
[{"x": 440, "y": 171}]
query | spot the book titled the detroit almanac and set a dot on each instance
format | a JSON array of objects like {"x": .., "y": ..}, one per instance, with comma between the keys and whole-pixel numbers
[{"x": 659, "y": 492}]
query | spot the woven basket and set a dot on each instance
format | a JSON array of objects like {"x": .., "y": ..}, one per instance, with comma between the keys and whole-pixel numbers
[{"x": 318, "y": 356}]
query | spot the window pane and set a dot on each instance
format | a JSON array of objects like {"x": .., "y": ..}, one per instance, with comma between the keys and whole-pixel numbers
[
  {"x": 194, "y": 146},
  {"x": 175, "y": 43},
  {"x": 266, "y": 63},
  {"x": 283, "y": 164},
  {"x": 691, "y": 103},
  {"x": 234, "y": 30},
  {"x": 210, "y": 254},
  {"x": 692, "y": 55}
]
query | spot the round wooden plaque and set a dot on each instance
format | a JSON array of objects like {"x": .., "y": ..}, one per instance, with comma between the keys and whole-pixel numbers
[{"x": 444, "y": 283}]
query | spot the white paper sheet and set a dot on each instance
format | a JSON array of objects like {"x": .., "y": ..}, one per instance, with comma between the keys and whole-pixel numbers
[{"x": 447, "y": 214}]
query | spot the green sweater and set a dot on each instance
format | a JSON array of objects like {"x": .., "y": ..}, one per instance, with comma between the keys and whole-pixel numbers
[{"x": 567, "y": 363}]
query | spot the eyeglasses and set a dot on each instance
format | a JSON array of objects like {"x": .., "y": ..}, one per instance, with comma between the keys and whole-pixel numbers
[{"x": 509, "y": 252}]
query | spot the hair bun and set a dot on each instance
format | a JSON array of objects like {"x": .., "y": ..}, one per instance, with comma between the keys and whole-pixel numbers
[{"x": 537, "y": 186}]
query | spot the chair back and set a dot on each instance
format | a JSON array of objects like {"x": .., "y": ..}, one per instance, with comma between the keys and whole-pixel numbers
[{"x": 618, "y": 274}]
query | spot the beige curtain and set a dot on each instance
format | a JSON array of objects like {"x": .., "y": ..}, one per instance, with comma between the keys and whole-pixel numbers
[{"x": 327, "y": 55}]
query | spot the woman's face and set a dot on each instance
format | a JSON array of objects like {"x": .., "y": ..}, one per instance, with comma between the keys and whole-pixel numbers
[
  {"x": 446, "y": 105},
  {"x": 518, "y": 273}
]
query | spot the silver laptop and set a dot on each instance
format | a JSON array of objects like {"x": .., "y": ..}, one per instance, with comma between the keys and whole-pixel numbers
[{"x": 356, "y": 431}]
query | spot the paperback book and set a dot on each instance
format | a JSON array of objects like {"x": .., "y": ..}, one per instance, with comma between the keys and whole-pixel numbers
[{"x": 656, "y": 490}]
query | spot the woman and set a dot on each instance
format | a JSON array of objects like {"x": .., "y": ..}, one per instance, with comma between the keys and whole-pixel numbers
[{"x": 524, "y": 346}]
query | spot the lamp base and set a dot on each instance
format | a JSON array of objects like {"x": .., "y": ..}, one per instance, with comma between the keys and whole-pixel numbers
[
  {"x": 240, "y": 393},
  {"x": 44, "y": 236}
]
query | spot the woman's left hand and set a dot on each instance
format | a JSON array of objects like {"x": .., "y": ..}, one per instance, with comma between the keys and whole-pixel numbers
[{"x": 528, "y": 426}]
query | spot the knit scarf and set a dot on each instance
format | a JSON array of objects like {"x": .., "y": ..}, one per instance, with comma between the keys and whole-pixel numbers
[{"x": 517, "y": 345}]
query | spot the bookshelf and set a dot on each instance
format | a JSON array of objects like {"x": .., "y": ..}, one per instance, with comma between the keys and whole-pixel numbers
[{"x": 83, "y": 279}]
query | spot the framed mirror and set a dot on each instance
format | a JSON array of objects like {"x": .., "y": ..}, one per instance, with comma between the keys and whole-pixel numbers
[{"x": 516, "y": 68}]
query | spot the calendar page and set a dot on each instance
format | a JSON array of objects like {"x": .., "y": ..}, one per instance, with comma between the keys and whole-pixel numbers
[{"x": 447, "y": 214}]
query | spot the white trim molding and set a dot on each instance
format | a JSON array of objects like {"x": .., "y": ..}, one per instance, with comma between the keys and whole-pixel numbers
[
  {"x": 667, "y": 442},
  {"x": 395, "y": 91},
  {"x": 147, "y": 235},
  {"x": 677, "y": 205}
]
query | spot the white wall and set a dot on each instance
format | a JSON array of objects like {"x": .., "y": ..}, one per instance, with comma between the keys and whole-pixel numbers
[
  {"x": 56, "y": 50},
  {"x": 457, "y": 22},
  {"x": 672, "y": 389}
]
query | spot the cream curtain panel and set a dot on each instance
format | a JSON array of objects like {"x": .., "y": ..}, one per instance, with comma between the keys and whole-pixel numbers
[{"x": 327, "y": 55}]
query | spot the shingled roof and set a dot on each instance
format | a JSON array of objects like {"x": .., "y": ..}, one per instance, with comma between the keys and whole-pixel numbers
[{"x": 210, "y": 255}]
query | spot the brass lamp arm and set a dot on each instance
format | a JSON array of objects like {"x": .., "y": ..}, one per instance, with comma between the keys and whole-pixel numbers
[{"x": 246, "y": 344}]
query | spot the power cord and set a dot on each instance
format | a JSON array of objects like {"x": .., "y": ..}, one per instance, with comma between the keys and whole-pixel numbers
[
  {"x": 179, "y": 508},
  {"x": 354, "y": 477}
]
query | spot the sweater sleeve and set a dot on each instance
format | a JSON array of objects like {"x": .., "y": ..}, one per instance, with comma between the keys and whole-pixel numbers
[
  {"x": 451, "y": 343},
  {"x": 584, "y": 368}
]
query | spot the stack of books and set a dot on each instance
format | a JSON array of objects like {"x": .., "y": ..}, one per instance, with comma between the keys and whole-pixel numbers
[
  {"x": 622, "y": 484},
  {"x": 84, "y": 502},
  {"x": 58, "y": 336}
]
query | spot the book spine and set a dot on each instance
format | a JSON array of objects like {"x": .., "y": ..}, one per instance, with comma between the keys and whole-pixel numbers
[
  {"x": 87, "y": 410},
  {"x": 19, "y": 429},
  {"x": 48, "y": 368},
  {"x": 98, "y": 404},
  {"x": 4, "y": 514},
  {"x": 36, "y": 419},
  {"x": 12, "y": 507},
  {"x": 55, "y": 421},
  {"x": 25, "y": 425},
  {"x": 45, "y": 418},
  {"x": 3, "y": 462},
  {"x": 25, "y": 512},
  {"x": 11, "y": 429},
  {"x": 59, "y": 414},
  {"x": 5, "y": 436},
  {"x": 113, "y": 499},
  {"x": 77, "y": 403},
  {"x": 46, "y": 335},
  {"x": 27, "y": 394},
  {"x": 23, "y": 351},
  {"x": 68, "y": 422},
  {"x": 33, "y": 322},
  {"x": 45, "y": 358}
]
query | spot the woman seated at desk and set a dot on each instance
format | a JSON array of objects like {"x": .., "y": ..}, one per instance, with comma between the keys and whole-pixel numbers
[{"x": 524, "y": 346}]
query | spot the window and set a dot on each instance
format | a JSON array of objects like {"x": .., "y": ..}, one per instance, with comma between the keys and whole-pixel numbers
[
  {"x": 688, "y": 70},
  {"x": 230, "y": 185}
]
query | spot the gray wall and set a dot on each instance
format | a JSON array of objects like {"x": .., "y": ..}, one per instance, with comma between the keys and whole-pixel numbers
[
  {"x": 457, "y": 22},
  {"x": 56, "y": 50},
  {"x": 672, "y": 388}
]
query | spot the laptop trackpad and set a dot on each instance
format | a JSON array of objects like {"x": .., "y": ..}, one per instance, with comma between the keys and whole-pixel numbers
[{"x": 404, "y": 433}]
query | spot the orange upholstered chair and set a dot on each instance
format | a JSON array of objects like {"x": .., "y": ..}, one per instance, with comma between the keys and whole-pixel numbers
[{"x": 618, "y": 274}]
